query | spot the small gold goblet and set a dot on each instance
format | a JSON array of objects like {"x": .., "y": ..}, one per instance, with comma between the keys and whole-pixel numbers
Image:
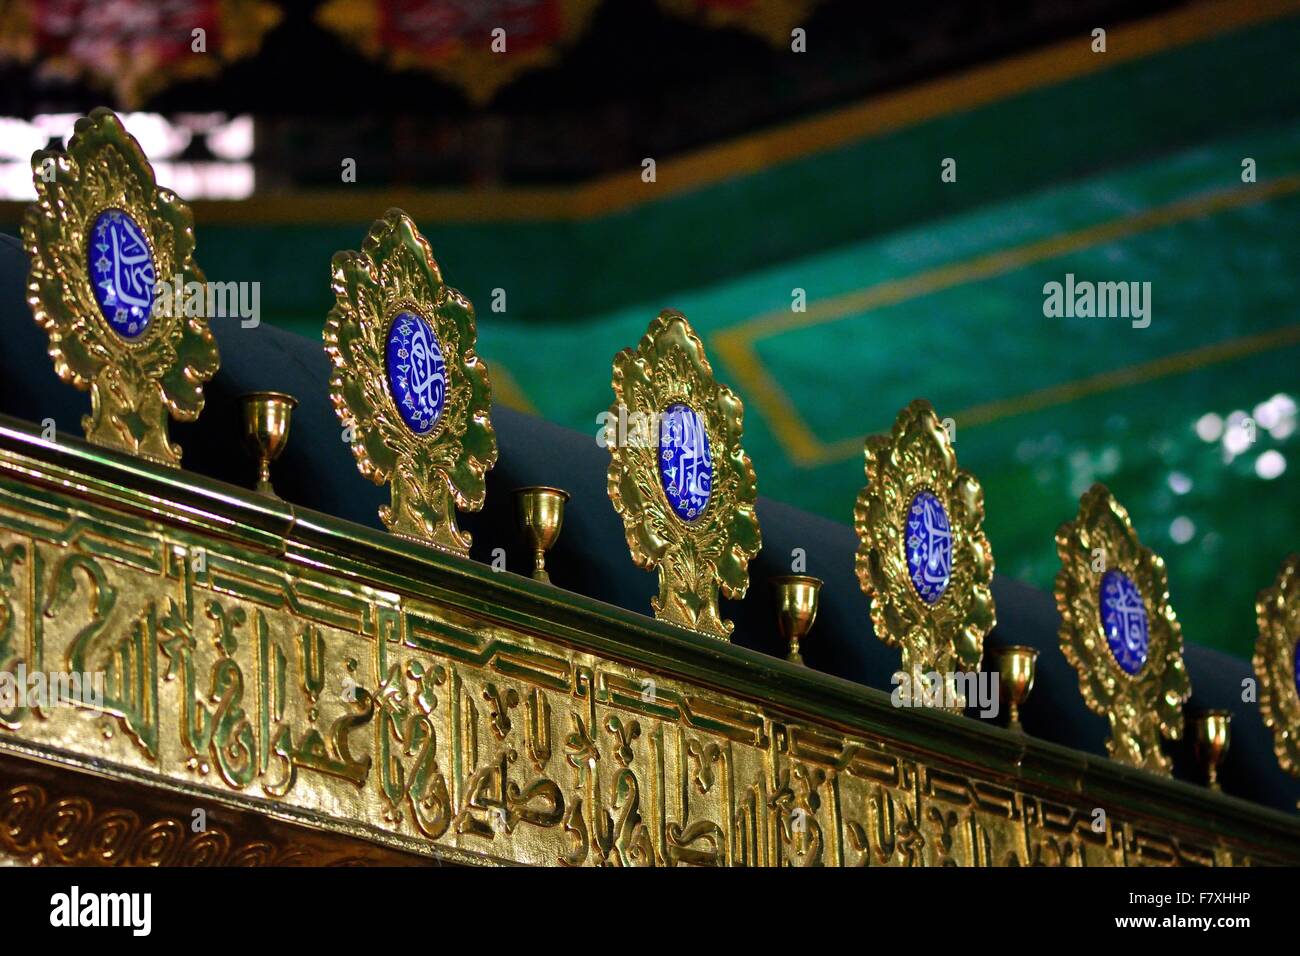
[
  {"x": 540, "y": 510},
  {"x": 1016, "y": 666},
  {"x": 797, "y": 596},
  {"x": 1213, "y": 735},
  {"x": 266, "y": 431}
]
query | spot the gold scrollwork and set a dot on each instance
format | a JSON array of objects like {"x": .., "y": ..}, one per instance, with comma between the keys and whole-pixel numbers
[
  {"x": 434, "y": 472},
  {"x": 1277, "y": 612},
  {"x": 1142, "y": 699},
  {"x": 300, "y": 693},
  {"x": 947, "y": 634},
  {"x": 698, "y": 555},
  {"x": 43, "y": 828},
  {"x": 156, "y": 364}
]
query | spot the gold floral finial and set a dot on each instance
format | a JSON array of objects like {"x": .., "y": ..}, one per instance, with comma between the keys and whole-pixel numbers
[
  {"x": 103, "y": 238},
  {"x": 408, "y": 384},
  {"x": 1119, "y": 632},
  {"x": 679, "y": 476},
  {"x": 1277, "y": 612},
  {"x": 923, "y": 558}
]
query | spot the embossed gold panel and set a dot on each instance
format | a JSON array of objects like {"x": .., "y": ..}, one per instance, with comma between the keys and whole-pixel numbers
[
  {"x": 55, "y": 817},
  {"x": 366, "y": 704}
]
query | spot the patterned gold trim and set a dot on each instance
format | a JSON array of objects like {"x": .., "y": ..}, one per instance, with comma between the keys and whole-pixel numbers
[
  {"x": 432, "y": 474},
  {"x": 1140, "y": 707},
  {"x": 133, "y": 384},
  {"x": 1277, "y": 613},
  {"x": 712, "y": 551},
  {"x": 38, "y": 828},
  {"x": 947, "y": 636},
  {"x": 352, "y": 691}
]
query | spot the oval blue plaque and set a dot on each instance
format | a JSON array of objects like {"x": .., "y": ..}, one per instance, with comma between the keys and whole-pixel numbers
[
  {"x": 929, "y": 547},
  {"x": 1124, "y": 619},
  {"x": 121, "y": 272},
  {"x": 417, "y": 376},
  {"x": 685, "y": 466}
]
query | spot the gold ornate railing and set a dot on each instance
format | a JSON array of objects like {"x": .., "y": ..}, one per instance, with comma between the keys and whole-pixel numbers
[{"x": 292, "y": 668}]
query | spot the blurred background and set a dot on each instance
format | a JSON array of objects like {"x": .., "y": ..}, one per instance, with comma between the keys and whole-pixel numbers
[{"x": 772, "y": 168}]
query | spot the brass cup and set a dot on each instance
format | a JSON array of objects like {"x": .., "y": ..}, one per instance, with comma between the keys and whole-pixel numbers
[
  {"x": 1213, "y": 735},
  {"x": 797, "y": 596},
  {"x": 266, "y": 431},
  {"x": 540, "y": 511},
  {"x": 1016, "y": 666}
]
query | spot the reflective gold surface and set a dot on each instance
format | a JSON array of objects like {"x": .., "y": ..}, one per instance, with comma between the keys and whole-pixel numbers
[
  {"x": 433, "y": 474},
  {"x": 1213, "y": 736},
  {"x": 695, "y": 559},
  {"x": 285, "y": 664},
  {"x": 796, "y": 609},
  {"x": 1143, "y": 707},
  {"x": 540, "y": 511},
  {"x": 948, "y": 636},
  {"x": 56, "y": 817},
  {"x": 266, "y": 417},
  {"x": 1277, "y": 614},
  {"x": 134, "y": 384},
  {"x": 1016, "y": 667}
]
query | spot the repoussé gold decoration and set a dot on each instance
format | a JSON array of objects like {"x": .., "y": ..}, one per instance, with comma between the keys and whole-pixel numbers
[
  {"x": 923, "y": 558},
  {"x": 1277, "y": 614},
  {"x": 679, "y": 477},
  {"x": 379, "y": 707},
  {"x": 1119, "y": 632},
  {"x": 103, "y": 239},
  {"x": 408, "y": 383}
]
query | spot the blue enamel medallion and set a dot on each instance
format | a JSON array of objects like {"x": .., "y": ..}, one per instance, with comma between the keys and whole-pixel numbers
[
  {"x": 685, "y": 465},
  {"x": 1124, "y": 619},
  {"x": 121, "y": 272},
  {"x": 929, "y": 547},
  {"x": 417, "y": 376}
]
